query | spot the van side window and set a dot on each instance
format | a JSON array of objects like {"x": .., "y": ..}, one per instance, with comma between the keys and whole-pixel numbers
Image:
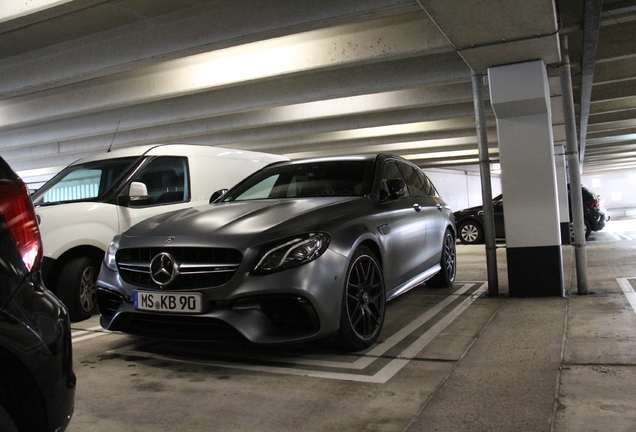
[
  {"x": 84, "y": 182},
  {"x": 167, "y": 180}
]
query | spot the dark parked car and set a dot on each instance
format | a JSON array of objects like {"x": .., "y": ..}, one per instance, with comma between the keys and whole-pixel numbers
[
  {"x": 298, "y": 251},
  {"x": 37, "y": 383},
  {"x": 470, "y": 221}
]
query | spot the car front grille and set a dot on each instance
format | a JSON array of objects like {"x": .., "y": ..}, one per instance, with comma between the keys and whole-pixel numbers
[{"x": 198, "y": 267}]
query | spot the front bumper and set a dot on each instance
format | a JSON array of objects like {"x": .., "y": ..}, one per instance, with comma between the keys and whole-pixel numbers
[{"x": 299, "y": 304}]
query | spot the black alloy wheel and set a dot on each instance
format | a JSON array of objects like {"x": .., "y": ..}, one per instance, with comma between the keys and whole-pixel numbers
[
  {"x": 364, "y": 303},
  {"x": 446, "y": 276}
]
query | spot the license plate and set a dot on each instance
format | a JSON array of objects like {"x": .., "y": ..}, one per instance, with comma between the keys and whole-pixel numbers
[{"x": 168, "y": 302}]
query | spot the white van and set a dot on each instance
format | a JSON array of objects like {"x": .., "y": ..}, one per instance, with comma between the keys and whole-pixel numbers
[{"x": 83, "y": 207}]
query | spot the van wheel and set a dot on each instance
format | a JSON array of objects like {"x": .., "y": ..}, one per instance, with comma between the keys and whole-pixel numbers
[{"x": 76, "y": 287}]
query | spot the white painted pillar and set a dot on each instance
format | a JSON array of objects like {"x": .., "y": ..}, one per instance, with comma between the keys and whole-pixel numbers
[
  {"x": 521, "y": 101},
  {"x": 562, "y": 190}
]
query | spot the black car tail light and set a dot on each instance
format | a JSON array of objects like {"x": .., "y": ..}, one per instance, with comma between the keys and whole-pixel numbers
[{"x": 17, "y": 211}]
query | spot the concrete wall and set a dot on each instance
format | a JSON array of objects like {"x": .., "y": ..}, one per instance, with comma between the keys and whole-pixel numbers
[
  {"x": 618, "y": 191},
  {"x": 461, "y": 189}
]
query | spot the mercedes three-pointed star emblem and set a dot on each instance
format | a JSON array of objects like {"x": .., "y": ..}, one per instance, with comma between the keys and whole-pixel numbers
[{"x": 163, "y": 269}]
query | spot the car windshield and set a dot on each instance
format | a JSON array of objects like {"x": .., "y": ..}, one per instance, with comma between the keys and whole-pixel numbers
[
  {"x": 83, "y": 182},
  {"x": 309, "y": 179}
]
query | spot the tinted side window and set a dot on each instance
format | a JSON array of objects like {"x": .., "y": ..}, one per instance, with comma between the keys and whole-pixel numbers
[
  {"x": 413, "y": 180},
  {"x": 429, "y": 188},
  {"x": 391, "y": 172},
  {"x": 166, "y": 179}
]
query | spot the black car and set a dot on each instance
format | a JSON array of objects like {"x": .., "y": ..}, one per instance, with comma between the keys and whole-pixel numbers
[
  {"x": 470, "y": 221},
  {"x": 37, "y": 383},
  {"x": 298, "y": 251}
]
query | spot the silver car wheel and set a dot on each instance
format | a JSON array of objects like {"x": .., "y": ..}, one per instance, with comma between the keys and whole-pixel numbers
[
  {"x": 470, "y": 232},
  {"x": 88, "y": 289},
  {"x": 77, "y": 287}
]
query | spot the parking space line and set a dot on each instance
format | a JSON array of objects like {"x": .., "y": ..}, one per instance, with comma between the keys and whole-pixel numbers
[
  {"x": 89, "y": 333},
  {"x": 628, "y": 291},
  {"x": 380, "y": 377}
]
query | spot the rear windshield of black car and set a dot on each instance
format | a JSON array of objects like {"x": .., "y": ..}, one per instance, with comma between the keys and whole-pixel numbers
[{"x": 312, "y": 179}]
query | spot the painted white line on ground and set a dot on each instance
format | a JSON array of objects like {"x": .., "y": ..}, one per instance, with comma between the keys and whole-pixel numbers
[
  {"x": 628, "y": 291},
  {"x": 90, "y": 333},
  {"x": 380, "y": 377},
  {"x": 371, "y": 356}
]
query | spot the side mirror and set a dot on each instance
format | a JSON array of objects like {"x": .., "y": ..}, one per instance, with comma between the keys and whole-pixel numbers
[
  {"x": 138, "y": 191},
  {"x": 216, "y": 196},
  {"x": 135, "y": 194},
  {"x": 396, "y": 187}
]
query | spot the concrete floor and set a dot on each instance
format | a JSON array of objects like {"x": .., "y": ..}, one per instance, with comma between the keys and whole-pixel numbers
[{"x": 447, "y": 360}]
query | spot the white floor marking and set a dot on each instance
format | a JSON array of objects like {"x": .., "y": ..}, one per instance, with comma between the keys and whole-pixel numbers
[
  {"x": 628, "y": 290},
  {"x": 92, "y": 332},
  {"x": 380, "y": 377}
]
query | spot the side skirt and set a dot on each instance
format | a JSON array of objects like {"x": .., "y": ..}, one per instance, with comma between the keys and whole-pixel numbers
[{"x": 413, "y": 282}]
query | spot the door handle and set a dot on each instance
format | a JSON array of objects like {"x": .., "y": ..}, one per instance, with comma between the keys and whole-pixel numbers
[{"x": 417, "y": 207}]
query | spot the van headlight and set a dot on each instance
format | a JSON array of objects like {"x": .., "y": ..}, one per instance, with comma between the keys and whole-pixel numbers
[
  {"x": 291, "y": 252},
  {"x": 109, "y": 258}
]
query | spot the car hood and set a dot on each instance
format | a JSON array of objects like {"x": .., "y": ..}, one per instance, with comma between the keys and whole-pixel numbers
[
  {"x": 470, "y": 210},
  {"x": 244, "y": 217}
]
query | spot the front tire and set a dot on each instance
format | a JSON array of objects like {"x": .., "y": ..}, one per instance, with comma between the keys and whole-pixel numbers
[
  {"x": 446, "y": 276},
  {"x": 363, "y": 304},
  {"x": 471, "y": 232},
  {"x": 76, "y": 287},
  {"x": 588, "y": 230}
]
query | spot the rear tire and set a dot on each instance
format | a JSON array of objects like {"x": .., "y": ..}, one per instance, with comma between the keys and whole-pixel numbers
[
  {"x": 588, "y": 230},
  {"x": 76, "y": 287},
  {"x": 471, "y": 232},
  {"x": 446, "y": 276},
  {"x": 363, "y": 303}
]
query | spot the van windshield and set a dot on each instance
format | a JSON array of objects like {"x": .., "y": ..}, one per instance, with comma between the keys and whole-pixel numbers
[{"x": 83, "y": 182}]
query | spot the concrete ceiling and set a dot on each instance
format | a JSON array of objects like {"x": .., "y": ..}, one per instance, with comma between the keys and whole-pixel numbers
[{"x": 301, "y": 78}]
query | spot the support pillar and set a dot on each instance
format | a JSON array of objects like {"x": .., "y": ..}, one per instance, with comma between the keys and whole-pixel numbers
[
  {"x": 562, "y": 188},
  {"x": 521, "y": 101}
]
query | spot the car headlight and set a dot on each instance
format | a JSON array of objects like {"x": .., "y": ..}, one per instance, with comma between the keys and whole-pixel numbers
[
  {"x": 291, "y": 252},
  {"x": 109, "y": 258}
]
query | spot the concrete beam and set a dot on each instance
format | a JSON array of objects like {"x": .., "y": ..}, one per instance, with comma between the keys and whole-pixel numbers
[
  {"x": 133, "y": 41},
  {"x": 139, "y": 124},
  {"x": 318, "y": 50}
]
